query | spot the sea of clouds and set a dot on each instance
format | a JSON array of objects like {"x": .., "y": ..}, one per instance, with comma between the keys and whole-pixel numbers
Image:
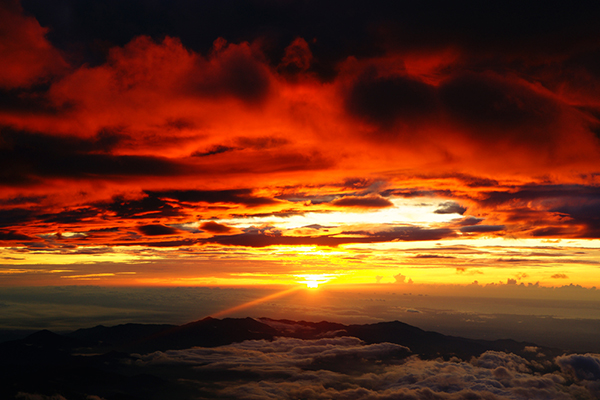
[{"x": 347, "y": 368}]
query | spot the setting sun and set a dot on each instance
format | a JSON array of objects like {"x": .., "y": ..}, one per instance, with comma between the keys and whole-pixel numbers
[
  {"x": 313, "y": 281},
  {"x": 312, "y": 284}
]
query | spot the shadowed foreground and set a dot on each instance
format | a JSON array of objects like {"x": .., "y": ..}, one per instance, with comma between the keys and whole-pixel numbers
[{"x": 279, "y": 359}]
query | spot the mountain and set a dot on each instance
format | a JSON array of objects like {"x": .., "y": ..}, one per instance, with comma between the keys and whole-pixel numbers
[
  {"x": 211, "y": 332},
  {"x": 131, "y": 361}
]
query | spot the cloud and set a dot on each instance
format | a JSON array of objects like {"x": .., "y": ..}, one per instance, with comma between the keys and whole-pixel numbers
[
  {"x": 450, "y": 207},
  {"x": 467, "y": 221},
  {"x": 240, "y": 196},
  {"x": 12, "y": 235},
  {"x": 568, "y": 210},
  {"x": 254, "y": 238},
  {"x": 498, "y": 109},
  {"x": 215, "y": 227},
  {"x": 136, "y": 118},
  {"x": 262, "y": 142},
  {"x": 432, "y": 256},
  {"x": 146, "y": 207},
  {"x": 482, "y": 228},
  {"x": 30, "y": 156},
  {"x": 157, "y": 230},
  {"x": 386, "y": 100},
  {"x": 495, "y": 359},
  {"x": 580, "y": 366},
  {"x": 346, "y": 368},
  {"x": 232, "y": 70},
  {"x": 297, "y": 57},
  {"x": 362, "y": 202},
  {"x": 559, "y": 276},
  {"x": 28, "y": 56},
  {"x": 28, "y": 101},
  {"x": 216, "y": 149}
]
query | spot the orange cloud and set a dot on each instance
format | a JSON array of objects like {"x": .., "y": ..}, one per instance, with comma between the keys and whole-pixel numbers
[{"x": 286, "y": 139}]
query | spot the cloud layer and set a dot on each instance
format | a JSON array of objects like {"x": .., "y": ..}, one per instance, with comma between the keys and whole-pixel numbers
[
  {"x": 184, "y": 126},
  {"x": 346, "y": 368}
]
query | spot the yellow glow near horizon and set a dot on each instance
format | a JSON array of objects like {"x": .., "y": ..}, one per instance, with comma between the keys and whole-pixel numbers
[
  {"x": 312, "y": 284},
  {"x": 313, "y": 281},
  {"x": 459, "y": 261}
]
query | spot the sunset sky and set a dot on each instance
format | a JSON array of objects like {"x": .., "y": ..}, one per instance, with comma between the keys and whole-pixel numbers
[{"x": 268, "y": 143}]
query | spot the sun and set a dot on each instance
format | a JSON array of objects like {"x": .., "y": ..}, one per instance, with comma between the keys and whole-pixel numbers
[
  {"x": 312, "y": 284},
  {"x": 313, "y": 281}
]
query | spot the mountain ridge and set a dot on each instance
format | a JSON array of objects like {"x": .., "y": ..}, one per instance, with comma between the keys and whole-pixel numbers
[{"x": 111, "y": 360}]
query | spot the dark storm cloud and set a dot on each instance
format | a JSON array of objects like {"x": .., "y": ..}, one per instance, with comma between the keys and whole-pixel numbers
[
  {"x": 585, "y": 212},
  {"x": 260, "y": 239},
  {"x": 239, "y": 75},
  {"x": 466, "y": 76},
  {"x": 15, "y": 216},
  {"x": 147, "y": 207},
  {"x": 257, "y": 238},
  {"x": 360, "y": 29},
  {"x": 28, "y": 101},
  {"x": 474, "y": 181},
  {"x": 488, "y": 107},
  {"x": 411, "y": 193},
  {"x": 242, "y": 143},
  {"x": 92, "y": 27},
  {"x": 214, "y": 227},
  {"x": 496, "y": 107},
  {"x": 405, "y": 233},
  {"x": 363, "y": 202},
  {"x": 550, "y": 231},
  {"x": 233, "y": 196},
  {"x": 19, "y": 200},
  {"x": 450, "y": 207},
  {"x": 30, "y": 155},
  {"x": 578, "y": 205},
  {"x": 537, "y": 192},
  {"x": 467, "y": 221},
  {"x": 482, "y": 228},
  {"x": 12, "y": 235},
  {"x": 318, "y": 226},
  {"x": 383, "y": 101},
  {"x": 211, "y": 151},
  {"x": 69, "y": 216},
  {"x": 21, "y": 216},
  {"x": 357, "y": 183},
  {"x": 157, "y": 230}
]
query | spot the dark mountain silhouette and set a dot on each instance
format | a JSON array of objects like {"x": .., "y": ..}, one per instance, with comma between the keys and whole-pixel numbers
[
  {"x": 118, "y": 336},
  {"x": 208, "y": 332},
  {"x": 102, "y": 359},
  {"x": 43, "y": 347},
  {"x": 426, "y": 344},
  {"x": 211, "y": 332}
]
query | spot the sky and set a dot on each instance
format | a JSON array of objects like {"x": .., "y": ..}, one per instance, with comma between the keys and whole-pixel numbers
[{"x": 289, "y": 144}]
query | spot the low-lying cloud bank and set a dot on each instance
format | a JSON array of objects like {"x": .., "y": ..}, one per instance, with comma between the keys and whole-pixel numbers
[{"x": 346, "y": 368}]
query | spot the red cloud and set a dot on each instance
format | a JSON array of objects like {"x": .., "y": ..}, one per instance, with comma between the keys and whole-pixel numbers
[{"x": 27, "y": 57}]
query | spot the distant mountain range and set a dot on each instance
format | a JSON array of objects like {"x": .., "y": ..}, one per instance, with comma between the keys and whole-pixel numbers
[
  {"x": 103, "y": 359},
  {"x": 211, "y": 332}
]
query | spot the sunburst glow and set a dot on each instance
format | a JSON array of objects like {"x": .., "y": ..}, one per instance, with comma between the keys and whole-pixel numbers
[{"x": 313, "y": 281}]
